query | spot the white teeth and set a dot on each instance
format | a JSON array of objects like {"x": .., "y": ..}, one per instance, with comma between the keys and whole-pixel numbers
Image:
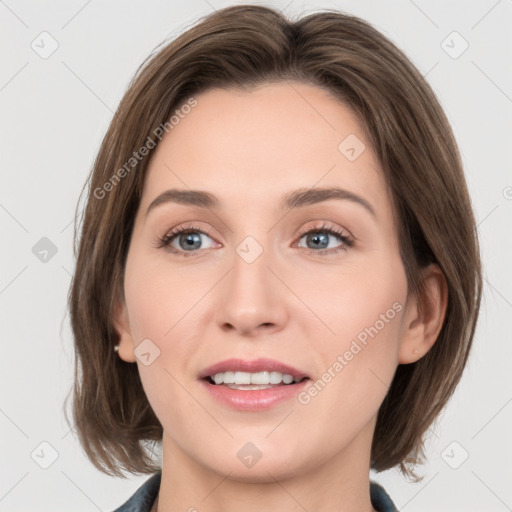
[
  {"x": 219, "y": 378},
  {"x": 287, "y": 379},
  {"x": 242, "y": 378},
  {"x": 275, "y": 377},
  {"x": 259, "y": 378}
]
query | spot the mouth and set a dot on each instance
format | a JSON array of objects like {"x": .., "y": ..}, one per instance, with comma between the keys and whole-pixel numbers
[
  {"x": 248, "y": 381},
  {"x": 261, "y": 373},
  {"x": 253, "y": 386}
]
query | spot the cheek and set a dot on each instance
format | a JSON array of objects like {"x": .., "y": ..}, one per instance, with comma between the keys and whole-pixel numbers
[
  {"x": 351, "y": 300},
  {"x": 161, "y": 303},
  {"x": 158, "y": 312},
  {"x": 358, "y": 366},
  {"x": 158, "y": 297},
  {"x": 363, "y": 310}
]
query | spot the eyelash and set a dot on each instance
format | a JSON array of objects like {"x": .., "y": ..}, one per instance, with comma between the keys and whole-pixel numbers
[{"x": 165, "y": 241}]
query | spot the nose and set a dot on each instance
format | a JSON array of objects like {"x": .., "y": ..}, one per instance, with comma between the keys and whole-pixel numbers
[{"x": 252, "y": 299}]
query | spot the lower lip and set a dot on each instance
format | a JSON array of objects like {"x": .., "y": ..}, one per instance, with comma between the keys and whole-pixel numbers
[{"x": 255, "y": 399}]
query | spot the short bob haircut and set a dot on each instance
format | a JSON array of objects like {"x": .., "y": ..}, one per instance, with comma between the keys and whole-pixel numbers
[{"x": 242, "y": 47}]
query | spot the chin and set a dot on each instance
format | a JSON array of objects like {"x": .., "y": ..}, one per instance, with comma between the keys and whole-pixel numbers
[
  {"x": 261, "y": 472},
  {"x": 254, "y": 463}
]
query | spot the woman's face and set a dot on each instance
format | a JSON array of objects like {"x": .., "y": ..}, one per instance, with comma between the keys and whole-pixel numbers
[{"x": 257, "y": 279}]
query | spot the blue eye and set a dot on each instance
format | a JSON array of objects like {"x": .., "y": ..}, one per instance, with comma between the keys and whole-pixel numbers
[
  {"x": 190, "y": 239},
  {"x": 320, "y": 238}
]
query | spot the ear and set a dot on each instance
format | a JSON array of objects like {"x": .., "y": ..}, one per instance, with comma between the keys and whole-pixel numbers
[
  {"x": 122, "y": 326},
  {"x": 424, "y": 316}
]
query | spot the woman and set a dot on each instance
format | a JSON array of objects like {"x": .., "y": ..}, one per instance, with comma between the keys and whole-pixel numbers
[{"x": 278, "y": 276}]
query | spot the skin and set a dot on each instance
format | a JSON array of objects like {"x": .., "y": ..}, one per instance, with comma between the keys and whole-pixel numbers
[{"x": 290, "y": 304}]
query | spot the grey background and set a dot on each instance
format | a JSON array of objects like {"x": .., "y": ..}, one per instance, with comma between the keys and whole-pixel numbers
[{"x": 54, "y": 112}]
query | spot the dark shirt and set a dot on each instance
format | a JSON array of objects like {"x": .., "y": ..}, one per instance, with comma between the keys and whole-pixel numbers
[{"x": 143, "y": 498}]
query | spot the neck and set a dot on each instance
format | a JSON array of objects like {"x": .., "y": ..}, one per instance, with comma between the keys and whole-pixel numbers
[{"x": 341, "y": 483}]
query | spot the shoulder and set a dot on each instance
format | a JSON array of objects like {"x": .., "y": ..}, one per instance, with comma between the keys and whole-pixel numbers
[
  {"x": 380, "y": 498},
  {"x": 143, "y": 498}
]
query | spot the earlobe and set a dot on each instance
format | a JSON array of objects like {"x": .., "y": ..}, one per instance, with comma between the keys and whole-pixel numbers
[
  {"x": 122, "y": 327},
  {"x": 424, "y": 317}
]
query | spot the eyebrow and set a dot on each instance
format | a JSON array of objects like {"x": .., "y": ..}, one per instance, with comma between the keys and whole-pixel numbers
[{"x": 296, "y": 199}]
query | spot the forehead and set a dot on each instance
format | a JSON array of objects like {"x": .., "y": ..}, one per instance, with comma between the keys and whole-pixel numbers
[{"x": 252, "y": 147}]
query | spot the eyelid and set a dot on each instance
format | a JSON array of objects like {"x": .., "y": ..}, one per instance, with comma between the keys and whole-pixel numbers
[
  {"x": 324, "y": 225},
  {"x": 165, "y": 240},
  {"x": 347, "y": 240},
  {"x": 344, "y": 235}
]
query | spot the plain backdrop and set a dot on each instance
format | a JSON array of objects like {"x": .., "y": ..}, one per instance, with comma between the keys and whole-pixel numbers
[{"x": 55, "y": 109}]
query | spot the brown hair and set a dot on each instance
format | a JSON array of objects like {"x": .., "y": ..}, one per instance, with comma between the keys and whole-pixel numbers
[{"x": 241, "y": 47}]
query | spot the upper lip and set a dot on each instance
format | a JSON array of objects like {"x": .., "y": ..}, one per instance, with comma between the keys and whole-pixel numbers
[{"x": 256, "y": 365}]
